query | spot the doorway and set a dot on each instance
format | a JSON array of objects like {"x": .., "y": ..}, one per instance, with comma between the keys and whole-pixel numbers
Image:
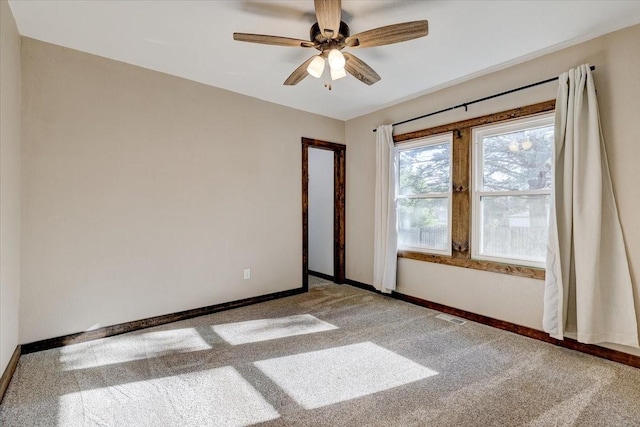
[{"x": 338, "y": 229}]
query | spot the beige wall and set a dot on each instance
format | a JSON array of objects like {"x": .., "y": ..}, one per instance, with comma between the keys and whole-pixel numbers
[
  {"x": 146, "y": 194},
  {"x": 517, "y": 300},
  {"x": 9, "y": 183}
]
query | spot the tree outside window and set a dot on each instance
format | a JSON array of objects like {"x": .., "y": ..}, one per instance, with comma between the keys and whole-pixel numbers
[
  {"x": 512, "y": 186},
  {"x": 424, "y": 195}
]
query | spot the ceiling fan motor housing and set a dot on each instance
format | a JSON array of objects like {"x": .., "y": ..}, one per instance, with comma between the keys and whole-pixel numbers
[{"x": 316, "y": 35}]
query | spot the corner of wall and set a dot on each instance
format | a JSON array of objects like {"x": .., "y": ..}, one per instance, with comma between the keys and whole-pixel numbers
[{"x": 10, "y": 178}]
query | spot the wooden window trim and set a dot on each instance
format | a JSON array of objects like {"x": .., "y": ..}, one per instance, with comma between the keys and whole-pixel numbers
[{"x": 461, "y": 197}]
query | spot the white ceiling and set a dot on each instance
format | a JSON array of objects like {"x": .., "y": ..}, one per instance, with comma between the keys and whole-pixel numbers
[{"x": 193, "y": 39}]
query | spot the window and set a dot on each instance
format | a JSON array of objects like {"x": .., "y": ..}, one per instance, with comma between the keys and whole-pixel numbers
[
  {"x": 512, "y": 172},
  {"x": 486, "y": 181},
  {"x": 423, "y": 195}
]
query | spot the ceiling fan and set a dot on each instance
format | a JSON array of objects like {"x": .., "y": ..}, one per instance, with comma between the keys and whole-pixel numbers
[{"x": 330, "y": 35}]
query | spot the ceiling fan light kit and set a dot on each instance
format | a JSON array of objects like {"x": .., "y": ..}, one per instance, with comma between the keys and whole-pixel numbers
[
  {"x": 336, "y": 59},
  {"x": 330, "y": 35},
  {"x": 338, "y": 73},
  {"x": 316, "y": 67}
]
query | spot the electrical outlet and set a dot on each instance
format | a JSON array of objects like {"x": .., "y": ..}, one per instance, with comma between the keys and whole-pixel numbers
[{"x": 247, "y": 273}]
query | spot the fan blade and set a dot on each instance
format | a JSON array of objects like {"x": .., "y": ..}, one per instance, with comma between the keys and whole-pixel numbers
[
  {"x": 360, "y": 70},
  {"x": 329, "y": 14},
  {"x": 299, "y": 74},
  {"x": 272, "y": 40},
  {"x": 390, "y": 34}
]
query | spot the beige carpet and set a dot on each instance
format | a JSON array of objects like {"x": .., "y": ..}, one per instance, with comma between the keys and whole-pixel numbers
[{"x": 337, "y": 356}]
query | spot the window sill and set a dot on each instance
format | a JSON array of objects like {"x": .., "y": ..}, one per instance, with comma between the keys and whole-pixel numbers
[
  {"x": 415, "y": 250},
  {"x": 495, "y": 267}
]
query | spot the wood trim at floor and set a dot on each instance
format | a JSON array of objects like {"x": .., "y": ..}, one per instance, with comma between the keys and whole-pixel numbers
[
  {"x": 320, "y": 275},
  {"x": 5, "y": 379},
  {"x": 594, "y": 350},
  {"x": 149, "y": 322},
  {"x": 364, "y": 286}
]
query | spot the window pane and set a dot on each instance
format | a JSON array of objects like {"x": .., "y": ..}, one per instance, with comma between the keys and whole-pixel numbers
[
  {"x": 424, "y": 170},
  {"x": 422, "y": 223},
  {"x": 518, "y": 160},
  {"x": 515, "y": 226}
]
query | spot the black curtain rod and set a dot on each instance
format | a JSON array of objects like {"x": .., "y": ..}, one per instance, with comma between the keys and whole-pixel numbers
[{"x": 475, "y": 101}]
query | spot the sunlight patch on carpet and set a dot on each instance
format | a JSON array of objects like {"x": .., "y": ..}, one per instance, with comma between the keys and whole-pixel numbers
[
  {"x": 130, "y": 347},
  {"x": 219, "y": 397},
  {"x": 325, "y": 377},
  {"x": 269, "y": 329}
]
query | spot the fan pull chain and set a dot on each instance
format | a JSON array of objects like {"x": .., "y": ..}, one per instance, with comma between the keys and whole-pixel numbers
[{"x": 327, "y": 72}]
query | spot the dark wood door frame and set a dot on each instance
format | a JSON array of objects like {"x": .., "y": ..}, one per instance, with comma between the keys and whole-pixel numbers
[{"x": 339, "y": 182}]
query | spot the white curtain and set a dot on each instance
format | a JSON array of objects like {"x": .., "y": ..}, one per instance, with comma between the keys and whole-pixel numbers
[
  {"x": 385, "y": 239},
  {"x": 588, "y": 289}
]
